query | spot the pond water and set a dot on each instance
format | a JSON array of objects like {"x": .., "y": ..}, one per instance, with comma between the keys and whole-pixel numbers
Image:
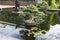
[{"x": 52, "y": 34}]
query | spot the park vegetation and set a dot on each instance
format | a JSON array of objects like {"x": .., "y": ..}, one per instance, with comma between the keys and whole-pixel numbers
[{"x": 42, "y": 19}]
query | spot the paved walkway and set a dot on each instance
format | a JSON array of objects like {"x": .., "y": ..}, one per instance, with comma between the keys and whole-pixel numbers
[
  {"x": 10, "y": 6},
  {"x": 6, "y": 6}
]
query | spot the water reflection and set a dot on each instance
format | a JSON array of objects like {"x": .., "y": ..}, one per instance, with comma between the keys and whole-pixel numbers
[
  {"x": 10, "y": 31},
  {"x": 53, "y": 34}
]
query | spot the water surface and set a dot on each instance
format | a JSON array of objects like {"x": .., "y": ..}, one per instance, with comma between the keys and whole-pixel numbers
[{"x": 53, "y": 34}]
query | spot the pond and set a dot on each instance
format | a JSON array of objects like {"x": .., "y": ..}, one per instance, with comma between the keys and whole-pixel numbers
[{"x": 52, "y": 34}]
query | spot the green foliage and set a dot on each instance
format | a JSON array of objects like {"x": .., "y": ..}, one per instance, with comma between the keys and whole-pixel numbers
[
  {"x": 31, "y": 12},
  {"x": 39, "y": 18},
  {"x": 53, "y": 4},
  {"x": 35, "y": 13},
  {"x": 58, "y": 1},
  {"x": 7, "y": 16},
  {"x": 48, "y": 4},
  {"x": 43, "y": 5},
  {"x": 53, "y": 18}
]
